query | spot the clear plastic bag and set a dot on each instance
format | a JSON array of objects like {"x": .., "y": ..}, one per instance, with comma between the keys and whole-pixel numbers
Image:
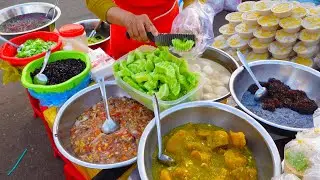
[
  {"x": 286, "y": 177},
  {"x": 231, "y": 5},
  {"x": 216, "y": 5},
  {"x": 196, "y": 19},
  {"x": 302, "y": 155}
]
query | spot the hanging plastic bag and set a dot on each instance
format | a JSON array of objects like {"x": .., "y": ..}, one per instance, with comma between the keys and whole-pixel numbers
[
  {"x": 302, "y": 155},
  {"x": 216, "y": 5},
  {"x": 231, "y": 5},
  {"x": 196, "y": 19}
]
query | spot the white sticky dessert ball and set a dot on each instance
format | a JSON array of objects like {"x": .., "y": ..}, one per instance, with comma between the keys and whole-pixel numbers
[
  {"x": 208, "y": 96},
  {"x": 196, "y": 67},
  {"x": 207, "y": 89},
  {"x": 216, "y": 82},
  {"x": 220, "y": 90},
  {"x": 207, "y": 80},
  {"x": 225, "y": 79},
  {"x": 208, "y": 70}
]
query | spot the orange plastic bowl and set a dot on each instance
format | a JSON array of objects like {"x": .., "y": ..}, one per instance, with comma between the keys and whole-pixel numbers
[{"x": 8, "y": 53}]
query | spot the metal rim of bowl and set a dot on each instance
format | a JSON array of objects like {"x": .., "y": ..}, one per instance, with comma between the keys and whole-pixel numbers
[
  {"x": 73, "y": 159},
  {"x": 262, "y": 62},
  {"x": 234, "y": 61},
  {"x": 36, "y": 29},
  {"x": 266, "y": 136},
  {"x": 93, "y": 20}
]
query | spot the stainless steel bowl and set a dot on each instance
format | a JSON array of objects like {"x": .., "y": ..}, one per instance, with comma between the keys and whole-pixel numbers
[
  {"x": 294, "y": 75},
  {"x": 26, "y": 8},
  {"x": 258, "y": 140},
  {"x": 70, "y": 111},
  {"x": 90, "y": 24},
  {"x": 224, "y": 60}
]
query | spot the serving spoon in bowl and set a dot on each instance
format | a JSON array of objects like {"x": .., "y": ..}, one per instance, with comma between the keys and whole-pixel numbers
[
  {"x": 41, "y": 78},
  {"x": 262, "y": 91},
  {"x": 12, "y": 44},
  {"x": 109, "y": 126},
  {"x": 164, "y": 159}
]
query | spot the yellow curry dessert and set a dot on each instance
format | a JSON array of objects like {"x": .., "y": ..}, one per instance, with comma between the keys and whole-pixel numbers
[
  {"x": 314, "y": 11},
  {"x": 282, "y": 7},
  {"x": 269, "y": 20},
  {"x": 264, "y": 33},
  {"x": 261, "y": 5},
  {"x": 290, "y": 22},
  {"x": 311, "y": 22},
  {"x": 257, "y": 56},
  {"x": 279, "y": 51},
  {"x": 205, "y": 152},
  {"x": 234, "y": 17},
  {"x": 245, "y": 28},
  {"x": 285, "y": 37},
  {"x": 250, "y": 15},
  {"x": 255, "y": 43},
  {"x": 236, "y": 41},
  {"x": 227, "y": 29},
  {"x": 299, "y": 12},
  {"x": 246, "y": 6},
  {"x": 220, "y": 42},
  {"x": 304, "y": 61},
  {"x": 304, "y": 51},
  {"x": 308, "y": 36}
]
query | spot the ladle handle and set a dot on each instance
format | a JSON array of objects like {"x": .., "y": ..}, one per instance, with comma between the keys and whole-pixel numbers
[
  {"x": 104, "y": 96},
  {"x": 157, "y": 120},
  {"x": 246, "y": 65},
  {"x": 45, "y": 61},
  {"x": 9, "y": 42}
]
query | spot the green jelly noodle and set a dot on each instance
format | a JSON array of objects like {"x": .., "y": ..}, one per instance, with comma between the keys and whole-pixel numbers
[
  {"x": 33, "y": 47},
  {"x": 182, "y": 45},
  {"x": 157, "y": 72}
]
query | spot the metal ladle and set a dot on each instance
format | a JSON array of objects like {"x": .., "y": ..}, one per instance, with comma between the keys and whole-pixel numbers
[
  {"x": 54, "y": 10},
  {"x": 12, "y": 44},
  {"x": 262, "y": 91},
  {"x": 164, "y": 159},
  {"x": 109, "y": 126},
  {"x": 41, "y": 78},
  {"x": 94, "y": 31}
]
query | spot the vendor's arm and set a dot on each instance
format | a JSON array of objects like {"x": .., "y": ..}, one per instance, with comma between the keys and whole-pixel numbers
[{"x": 136, "y": 25}]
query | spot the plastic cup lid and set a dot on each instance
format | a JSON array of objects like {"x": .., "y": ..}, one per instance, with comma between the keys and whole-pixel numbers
[{"x": 71, "y": 30}]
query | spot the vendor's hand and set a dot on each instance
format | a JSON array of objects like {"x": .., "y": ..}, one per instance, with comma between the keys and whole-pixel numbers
[{"x": 138, "y": 25}]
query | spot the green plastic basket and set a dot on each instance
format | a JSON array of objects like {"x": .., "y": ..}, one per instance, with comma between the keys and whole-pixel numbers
[{"x": 58, "y": 88}]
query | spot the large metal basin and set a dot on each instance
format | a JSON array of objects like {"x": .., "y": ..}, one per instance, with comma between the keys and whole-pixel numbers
[
  {"x": 103, "y": 30},
  {"x": 258, "y": 139},
  {"x": 225, "y": 60},
  {"x": 294, "y": 75},
  {"x": 26, "y": 8},
  {"x": 71, "y": 110}
]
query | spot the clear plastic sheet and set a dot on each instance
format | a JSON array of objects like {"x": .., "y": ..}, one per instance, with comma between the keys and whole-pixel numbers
[
  {"x": 231, "y": 5},
  {"x": 196, "y": 19},
  {"x": 302, "y": 155}
]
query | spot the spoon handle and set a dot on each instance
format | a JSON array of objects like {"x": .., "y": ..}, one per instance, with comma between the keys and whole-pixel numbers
[
  {"x": 9, "y": 42},
  {"x": 45, "y": 61},
  {"x": 157, "y": 119},
  {"x": 246, "y": 65},
  {"x": 104, "y": 96}
]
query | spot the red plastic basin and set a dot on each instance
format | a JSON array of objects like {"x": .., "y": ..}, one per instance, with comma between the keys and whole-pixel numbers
[{"x": 8, "y": 53}]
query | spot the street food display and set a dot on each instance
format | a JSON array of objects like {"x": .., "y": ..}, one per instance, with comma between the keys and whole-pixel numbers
[
  {"x": 204, "y": 151},
  {"x": 281, "y": 29},
  {"x": 262, "y": 30},
  {"x": 90, "y": 144}
]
